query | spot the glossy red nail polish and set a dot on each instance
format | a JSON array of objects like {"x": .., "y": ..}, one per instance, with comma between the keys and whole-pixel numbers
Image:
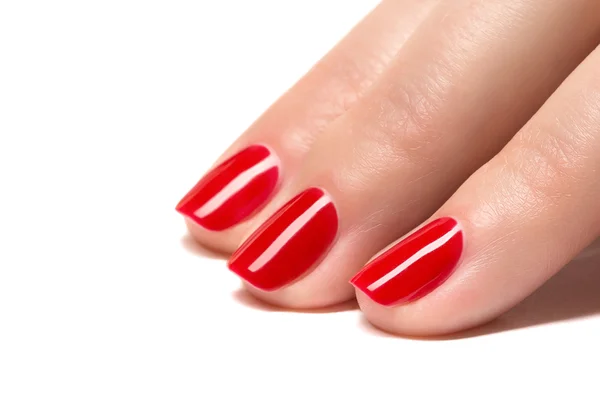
[
  {"x": 233, "y": 190},
  {"x": 289, "y": 243},
  {"x": 413, "y": 267}
]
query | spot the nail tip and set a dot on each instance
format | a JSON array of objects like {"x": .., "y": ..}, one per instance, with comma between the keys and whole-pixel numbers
[
  {"x": 355, "y": 282},
  {"x": 181, "y": 211},
  {"x": 231, "y": 267},
  {"x": 356, "y": 279},
  {"x": 256, "y": 285},
  {"x": 184, "y": 200},
  {"x": 233, "y": 190},
  {"x": 197, "y": 221}
]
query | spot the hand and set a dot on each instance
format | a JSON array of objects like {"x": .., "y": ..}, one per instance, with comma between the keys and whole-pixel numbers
[{"x": 469, "y": 129}]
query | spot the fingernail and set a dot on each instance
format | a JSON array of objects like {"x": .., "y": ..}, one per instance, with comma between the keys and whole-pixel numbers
[
  {"x": 289, "y": 243},
  {"x": 415, "y": 266},
  {"x": 233, "y": 190}
]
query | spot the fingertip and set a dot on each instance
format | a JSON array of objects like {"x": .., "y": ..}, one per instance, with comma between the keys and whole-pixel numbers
[
  {"x": 398, "y": 320},
  {"x": 223, "y": 242}
]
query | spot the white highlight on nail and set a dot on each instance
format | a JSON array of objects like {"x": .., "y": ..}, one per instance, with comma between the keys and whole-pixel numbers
[
  {"x": 236, "y": 184},
  {"x": 289, "y": 233},
  {"x": 436, "y": 244}
]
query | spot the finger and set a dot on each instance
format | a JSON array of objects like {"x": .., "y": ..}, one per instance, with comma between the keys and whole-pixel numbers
[
  {"x": 466, "y": 81},
  {"x": 513, "y": 224},
  {"x": 271, "y": 150}
]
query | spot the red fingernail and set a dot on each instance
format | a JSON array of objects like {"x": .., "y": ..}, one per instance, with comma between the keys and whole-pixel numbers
[
  {"x": 413, "y": 267},
  {"x": 289, "y": 243},
  {"x": 233, "y": 190}
]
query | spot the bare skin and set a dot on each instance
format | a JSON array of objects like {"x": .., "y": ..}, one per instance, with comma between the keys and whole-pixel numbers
[{"x": 487, "y": 111}]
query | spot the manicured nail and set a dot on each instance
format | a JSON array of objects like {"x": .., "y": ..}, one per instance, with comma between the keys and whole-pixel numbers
[
  {"x": 233, "y": 190},
  {"x": 413, "y": 267},
  {"x": 289, "y": 243}
]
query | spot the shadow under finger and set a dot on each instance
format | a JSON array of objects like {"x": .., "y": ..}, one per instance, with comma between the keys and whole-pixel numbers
[{"x": 570, "y": 294}]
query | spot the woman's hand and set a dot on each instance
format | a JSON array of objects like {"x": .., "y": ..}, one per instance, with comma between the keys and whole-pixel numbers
[{"x": 476, "y": 121}]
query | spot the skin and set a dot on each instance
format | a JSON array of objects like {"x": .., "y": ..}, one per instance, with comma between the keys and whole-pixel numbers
[
  {"x": 332, "y": 87},
  {"x": 484, "y": 110}
]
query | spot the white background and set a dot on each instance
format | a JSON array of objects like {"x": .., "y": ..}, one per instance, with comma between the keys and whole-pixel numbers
[{"x": 109, "y": 111}]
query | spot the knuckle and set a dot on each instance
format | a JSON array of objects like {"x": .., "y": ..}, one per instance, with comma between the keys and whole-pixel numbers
[
  {"x": 552, "y": 158},
  {"x": 348, "y": 77},
  {"x": 405, "y": 121}
]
